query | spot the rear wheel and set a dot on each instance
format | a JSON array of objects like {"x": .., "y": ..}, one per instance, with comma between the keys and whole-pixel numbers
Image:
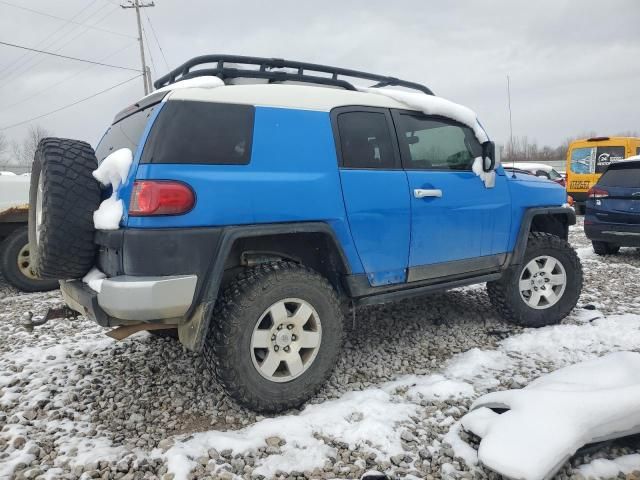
[
  {"x": 15, "y": 259},
  {"x": 605, "y": 248},
  {"x": 544, "y": 288},
  {"x": 277, "y": 333}
]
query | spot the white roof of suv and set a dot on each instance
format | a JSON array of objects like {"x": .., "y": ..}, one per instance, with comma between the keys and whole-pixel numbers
[{"x": 305, "y": 97}]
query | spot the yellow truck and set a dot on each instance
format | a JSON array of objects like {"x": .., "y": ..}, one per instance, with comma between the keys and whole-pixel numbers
[{"x": 588, "y": 158}]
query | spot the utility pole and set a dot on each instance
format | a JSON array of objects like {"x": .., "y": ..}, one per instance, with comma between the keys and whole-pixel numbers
[{"x": 146, "y": 76}]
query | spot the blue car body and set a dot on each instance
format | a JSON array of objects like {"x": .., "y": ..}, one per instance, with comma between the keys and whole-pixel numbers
[{"x": 293, "y": 176}]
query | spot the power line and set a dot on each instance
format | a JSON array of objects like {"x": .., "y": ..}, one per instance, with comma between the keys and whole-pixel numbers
[
  {"x": 19, "y": 59},
  {"x": 64, "y": 80},
  {"x": 64, "y": 19},
  {"x": 153, "y": 31},
  {"x": 68, "y": 57},
  {"x": 69, "y": 105},
  {"x": 29, "y": 65}
]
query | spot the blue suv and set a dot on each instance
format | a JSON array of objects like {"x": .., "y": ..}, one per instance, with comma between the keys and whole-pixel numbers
[
  {"x": 612, "y": 218},
  {"x": 255, "y": 215}
]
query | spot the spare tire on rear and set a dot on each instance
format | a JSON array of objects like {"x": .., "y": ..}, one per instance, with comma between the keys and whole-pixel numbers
[{"x": 63, "y": 197}]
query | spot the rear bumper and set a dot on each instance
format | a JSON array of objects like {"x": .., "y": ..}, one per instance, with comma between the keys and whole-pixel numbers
[
  {"x": 128, "y": 299},
  {"x": 618, "y": 234}
]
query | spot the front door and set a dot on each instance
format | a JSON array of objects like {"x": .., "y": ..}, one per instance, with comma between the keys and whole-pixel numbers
[
  {"x": 375, "y": 190},
  {"x": 458, "y": 226}
]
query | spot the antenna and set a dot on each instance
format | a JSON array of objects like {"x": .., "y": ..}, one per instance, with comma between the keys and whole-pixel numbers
[{"x": 509, "y": 102}]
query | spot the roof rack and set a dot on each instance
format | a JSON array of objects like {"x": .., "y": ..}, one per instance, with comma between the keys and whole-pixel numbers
[{"x": 267, "y": 71}]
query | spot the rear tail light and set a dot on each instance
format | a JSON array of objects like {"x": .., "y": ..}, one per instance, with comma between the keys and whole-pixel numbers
[
  {"x": 160, "y": 197},
  {"x": 595, "y": 192}
]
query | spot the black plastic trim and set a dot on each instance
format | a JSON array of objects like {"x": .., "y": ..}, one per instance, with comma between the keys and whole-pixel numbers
[
  {"x": 88, "y": 299},
  {"x": 457, "y": 267},
  {"x": 266, "y": 66},
  {"x": 422, "y": 289},
  {"x": 525, "y": 227}
]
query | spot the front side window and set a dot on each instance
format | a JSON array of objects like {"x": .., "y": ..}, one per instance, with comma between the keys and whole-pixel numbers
[
  {"x": 201, "y": 133},
  {"x": 365, "y": 140},
  {"x": 605, "y": 156},
  {"x": 429, "y": 143}
]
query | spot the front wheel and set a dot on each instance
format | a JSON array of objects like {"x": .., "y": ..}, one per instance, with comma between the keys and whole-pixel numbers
[
  {"x": 605, "y": 248},
  {"x": 544, "y": 288},
  {"x": 276, "y": 334}
]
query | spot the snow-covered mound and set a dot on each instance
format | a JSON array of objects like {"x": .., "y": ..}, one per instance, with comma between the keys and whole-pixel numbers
[{"x": 553, "y": 416}]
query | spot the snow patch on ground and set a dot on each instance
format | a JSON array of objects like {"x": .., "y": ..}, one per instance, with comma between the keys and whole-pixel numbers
[
  {"x": 113, "y": 171},
  {"x": 364, "y": 419},
  {"x": 556, "y": 414},
  {"x": 603, "y": 468}
]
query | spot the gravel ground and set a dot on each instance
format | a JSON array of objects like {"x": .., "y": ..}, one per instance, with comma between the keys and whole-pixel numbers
[{"x": 74, "y": 403}]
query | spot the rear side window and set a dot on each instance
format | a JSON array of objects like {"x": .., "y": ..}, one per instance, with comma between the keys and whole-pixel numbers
[
  {"x": 126, "y": 133},
  {"x": 201, "y": 133},
  {"x": 365, "y": 140},
  {"x": 622, "y": 176},
  {"x": 429, "y": 143}
]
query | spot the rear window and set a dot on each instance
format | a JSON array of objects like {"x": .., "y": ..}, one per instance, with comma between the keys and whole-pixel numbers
[
  {"x": 622, "y": 175},
  {"x": 201, "y": 133},
  {"x": 124, "y": 134}
]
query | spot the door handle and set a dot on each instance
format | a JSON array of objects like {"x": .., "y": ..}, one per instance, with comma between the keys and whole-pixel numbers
[{"x": 422, "y": 193}]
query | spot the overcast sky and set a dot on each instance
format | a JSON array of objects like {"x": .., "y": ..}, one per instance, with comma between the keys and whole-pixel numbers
[{"x": 574, "y": 65}]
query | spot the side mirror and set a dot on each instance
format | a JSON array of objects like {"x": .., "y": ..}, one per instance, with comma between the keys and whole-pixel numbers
[{"x": 488, "y": 156}]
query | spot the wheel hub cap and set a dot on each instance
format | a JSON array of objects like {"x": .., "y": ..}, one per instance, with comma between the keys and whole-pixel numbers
[
  {"x": 286, "y": 340},
  {"x": 542, "y": 282}
]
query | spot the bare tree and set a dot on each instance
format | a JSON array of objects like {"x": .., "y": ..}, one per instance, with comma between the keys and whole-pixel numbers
[
  {"x": 4, "y": 147},
  {"x": 22, "y": 153}
]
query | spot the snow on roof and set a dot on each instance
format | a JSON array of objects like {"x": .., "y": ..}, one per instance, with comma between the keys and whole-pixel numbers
[
  {"x": 432, "y": 105},
  {"x": 553, "y": 416}
]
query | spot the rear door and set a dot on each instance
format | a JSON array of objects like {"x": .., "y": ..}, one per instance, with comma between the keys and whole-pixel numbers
[
  {"x": 458, "y": 226},
  {"x": 375, "y": 191},
  {"x": 622, "y": 205}
]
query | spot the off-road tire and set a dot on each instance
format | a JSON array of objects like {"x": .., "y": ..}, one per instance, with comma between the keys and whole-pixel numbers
[
  {"x": 605, "y": 248},
  {"x": 70, "y": 196},
  {"x": 10, "y": 249},
  {"x": 505, "y": 296},
  {"x": 228, "y": 345}
]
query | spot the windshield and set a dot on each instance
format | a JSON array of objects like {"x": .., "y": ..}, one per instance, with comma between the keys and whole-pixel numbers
[
  {"x": 126, "y": 133},
  {"x": 553, "y": 175}
]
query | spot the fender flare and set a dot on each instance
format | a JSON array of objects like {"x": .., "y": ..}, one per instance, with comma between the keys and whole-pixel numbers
[
  {"x": 193, "y": 331},
  {"x": 525, "y": 227}
]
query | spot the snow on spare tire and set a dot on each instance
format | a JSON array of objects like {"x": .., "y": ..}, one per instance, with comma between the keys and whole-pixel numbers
[{"x": 63, "y": 197}]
